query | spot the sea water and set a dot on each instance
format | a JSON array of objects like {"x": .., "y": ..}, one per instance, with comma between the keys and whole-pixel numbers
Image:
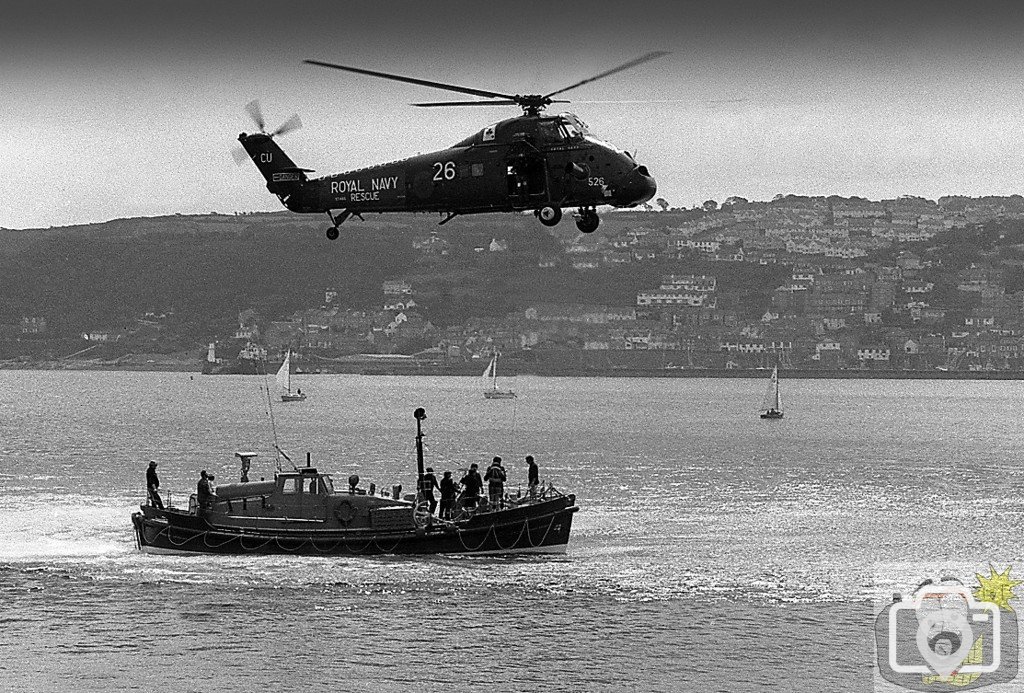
[{"x": 712, "y": 550}]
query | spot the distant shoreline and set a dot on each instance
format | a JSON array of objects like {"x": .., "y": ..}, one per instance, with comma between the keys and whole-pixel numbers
[{"x": 463, "y": 370}]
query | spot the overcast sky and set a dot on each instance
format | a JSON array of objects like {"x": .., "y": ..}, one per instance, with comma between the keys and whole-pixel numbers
[{"x": 116, "y": 109}]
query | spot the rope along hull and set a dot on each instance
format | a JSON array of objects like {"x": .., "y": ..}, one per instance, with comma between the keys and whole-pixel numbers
[{"x": 541, "y": 528}]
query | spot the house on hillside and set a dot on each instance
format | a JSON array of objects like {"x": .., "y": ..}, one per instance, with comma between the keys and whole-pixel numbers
[
  {"x": 248, "y": 325},
  {"x": 875, "y": 354},
  {"x": 104, "y": 335},
  {"x": 33, "y": 325}
]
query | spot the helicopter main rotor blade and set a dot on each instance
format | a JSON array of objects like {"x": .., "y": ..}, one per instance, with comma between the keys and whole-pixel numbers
[
  {"x": 625, "y": 66},
  {"x": 413, "y": 80},
  {"x": 711, "y": 102},
  {"x": 256, "y": 113},
  {"x": 497, "y": 102}
]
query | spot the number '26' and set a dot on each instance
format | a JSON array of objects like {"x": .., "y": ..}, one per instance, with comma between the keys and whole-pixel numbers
[{"x": 445, "y": 171}]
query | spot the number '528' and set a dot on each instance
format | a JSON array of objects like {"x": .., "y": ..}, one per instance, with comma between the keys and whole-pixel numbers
[{"x": 445, "y": 171}]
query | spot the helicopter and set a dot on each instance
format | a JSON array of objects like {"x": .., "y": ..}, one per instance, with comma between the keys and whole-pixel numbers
[{"x": 531, "y": 162}]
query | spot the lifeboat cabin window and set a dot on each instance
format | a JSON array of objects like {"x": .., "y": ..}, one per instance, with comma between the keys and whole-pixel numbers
[
  {"x": 288, "y": 485},
  {"x": 314, "y": 486}
]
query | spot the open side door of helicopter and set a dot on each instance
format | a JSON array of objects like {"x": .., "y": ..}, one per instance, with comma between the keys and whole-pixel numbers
[
  {"x": 527, "y": 176},
  {"x": 546, "y": 166}
]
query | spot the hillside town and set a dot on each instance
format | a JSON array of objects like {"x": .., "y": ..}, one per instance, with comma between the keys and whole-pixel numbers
[
  {"x": 863, "y": 285},
  {"x": 820, "y": 283}
]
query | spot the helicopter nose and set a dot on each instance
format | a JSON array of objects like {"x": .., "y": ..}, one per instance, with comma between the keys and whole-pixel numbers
[{"x": 639, "y": 186}]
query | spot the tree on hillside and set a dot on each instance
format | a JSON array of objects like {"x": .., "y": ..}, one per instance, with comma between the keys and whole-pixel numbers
[
  {"x": 1013, "y": 279},
  {"x": 80, "y": 282}
]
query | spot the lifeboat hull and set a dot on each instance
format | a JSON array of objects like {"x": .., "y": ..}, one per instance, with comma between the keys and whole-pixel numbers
[{"x": 542, "y": 527}]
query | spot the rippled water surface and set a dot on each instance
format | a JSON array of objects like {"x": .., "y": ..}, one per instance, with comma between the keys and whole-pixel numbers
[{"x": 713, "y": 550}]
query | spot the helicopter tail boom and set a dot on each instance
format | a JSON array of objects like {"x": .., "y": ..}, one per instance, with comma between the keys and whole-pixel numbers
[{"x": 282, "y": 175}]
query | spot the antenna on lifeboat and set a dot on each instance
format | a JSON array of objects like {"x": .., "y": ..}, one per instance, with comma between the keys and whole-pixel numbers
[{"x": 419, "y": 415}]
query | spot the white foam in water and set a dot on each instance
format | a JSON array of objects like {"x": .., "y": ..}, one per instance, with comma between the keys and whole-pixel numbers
[{"x": 47, "y": 527}]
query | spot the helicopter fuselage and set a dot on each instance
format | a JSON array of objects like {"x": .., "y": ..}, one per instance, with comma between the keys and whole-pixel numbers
[{"x": 531, "y": 162}]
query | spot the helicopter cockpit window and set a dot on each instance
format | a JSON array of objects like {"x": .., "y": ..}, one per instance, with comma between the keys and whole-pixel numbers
[
  {"x": 548, "y": 132},
  {"x": 570, "y": 130},
  {"x": 575, "y": 126}
]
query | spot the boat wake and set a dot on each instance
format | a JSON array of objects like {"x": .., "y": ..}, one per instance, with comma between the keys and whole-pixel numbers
[{"x": 49, "y": 527}]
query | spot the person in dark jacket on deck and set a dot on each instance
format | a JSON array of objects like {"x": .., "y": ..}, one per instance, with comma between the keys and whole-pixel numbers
[
  {"x": 204, "y": 492},
  {"x": 449, "y": 490},
  {"x": 427, "y": 486},
  {"x": 532, "y": 476},
  {"x": 153, "y": 486},
  {"x": 472, "y": 485}
]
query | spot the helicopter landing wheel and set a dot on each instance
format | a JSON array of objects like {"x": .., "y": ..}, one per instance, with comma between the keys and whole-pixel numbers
[
  {"x": 333, "y": 233},
  {"x": 588, "y": 221},
  {"x": 549, "y": 216}
]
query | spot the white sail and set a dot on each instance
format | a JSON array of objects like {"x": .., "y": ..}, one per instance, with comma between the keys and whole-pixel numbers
[
  {"x": 492, "y": 391},
  {"x": 284, "y": 375},
  {"x": 772, "y": 398}
]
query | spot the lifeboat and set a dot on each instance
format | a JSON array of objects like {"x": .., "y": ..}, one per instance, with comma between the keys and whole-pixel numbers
[{"x": 300, "y": 512}]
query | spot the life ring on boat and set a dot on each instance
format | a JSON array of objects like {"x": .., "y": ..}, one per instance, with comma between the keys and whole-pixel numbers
[
  {"x": 421, "y": 516},
  {"x": 345, "y": 512}
]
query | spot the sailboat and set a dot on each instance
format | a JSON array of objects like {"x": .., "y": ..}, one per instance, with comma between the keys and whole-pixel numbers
[
  {"x": 772, "y": 398},
  {"x": 491, "y": 374},
  {"x": 284, "y": 381}
]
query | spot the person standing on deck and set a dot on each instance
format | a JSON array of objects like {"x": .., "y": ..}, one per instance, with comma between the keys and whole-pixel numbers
[
  {"x": 153, "y": 486},
  {"x": 532, "y": 476},
  {"x": 495, "y": 478},
  {"x": 204, "y": 492},
  {"x": 427, "y": 486},
  {"x": 449, "y": 490},
  {"x": 472, "y": 484}
]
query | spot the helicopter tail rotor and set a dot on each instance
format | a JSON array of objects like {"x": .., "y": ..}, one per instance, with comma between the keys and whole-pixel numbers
[
  {"x": 282, "y": 175},
  {"x": 290, "y": 125},
  {"x": 255, "y": 112},
  {"x": 239, "y": 155}
]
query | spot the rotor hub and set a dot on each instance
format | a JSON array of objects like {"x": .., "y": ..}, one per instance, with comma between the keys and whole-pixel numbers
[{"x": 533, "y": 104}]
